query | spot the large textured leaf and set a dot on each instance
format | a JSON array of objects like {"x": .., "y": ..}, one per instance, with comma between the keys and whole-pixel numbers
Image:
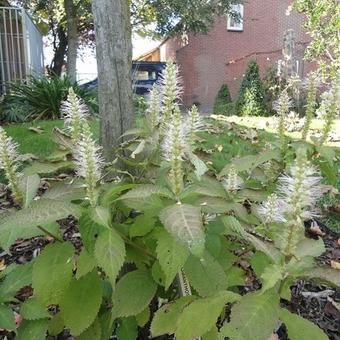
[
  {"x": 234, "y": 226},
  {"x": 52, "y": 272},
  {"x": 309, "y": 247},
  {"x": 254, "y": 317},
  {"x": 19, "y": 277},
  {"x": 184, "y": 222},
  {"x": 85, "y": 263},
  {"x": 65, "y": 192},
  {"x": 92, "y": 333},
  {"x": 7, "y": 318},
  {"x": 89, "y": 231},
  {"x": 200, "y": 167},
  {"x": 128, "y": 329},
  {"x": 171, "y": 255},
  {"x": 110, "y": 253},
  {"x": 205, "y": 274},
  {"x": 81, "y": 302},
  {"x": 134, "y": 292},
  {"x": 47, "y": 167},
  {"x": 134, "y": 197},
  {"x": 325, "y": 274},
  {"x": 165, "y": 319},
  {"x": 271, "y": 276},
  {"x": 35, "y": 329},
  {"x": 31, "y": 309},
  {"x": 250, "y": 162},
  {"x": 201, "y": 315},
  {"x": 29, "y": 185},
  {"x": 299, "y": 328},
  {"x": 23, "y": 223}
]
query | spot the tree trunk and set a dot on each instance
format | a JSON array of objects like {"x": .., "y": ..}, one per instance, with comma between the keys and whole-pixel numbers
[
  {"x": 114, "y": 60},
  {"x": 59, "y": 52},
  {"x": 72, "y": 39}
]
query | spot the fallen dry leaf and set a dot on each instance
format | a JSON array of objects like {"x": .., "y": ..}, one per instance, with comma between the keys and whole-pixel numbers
[
  {"x": 39, "y": 130},
  {"x": 335, "y": 265},
  {"x": 315, "y": 229},
  {"x": 2, "y": 265}
]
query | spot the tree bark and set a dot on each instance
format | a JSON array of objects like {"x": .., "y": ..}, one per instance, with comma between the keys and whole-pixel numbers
[
  {"x": 72, "y": 39},
  {"x": 114, "y": 60},
  {"x": 60, "y": 49}
]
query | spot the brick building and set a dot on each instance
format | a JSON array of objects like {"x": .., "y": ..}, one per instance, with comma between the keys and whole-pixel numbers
[{"x": 209, "y": 60}]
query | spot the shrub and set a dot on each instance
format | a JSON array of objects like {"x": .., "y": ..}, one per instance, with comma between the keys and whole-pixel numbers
[
  {"x": 41, "y": 98},
  {"x": 251, "y": 92},
  {"x": 223, "y": 104}
]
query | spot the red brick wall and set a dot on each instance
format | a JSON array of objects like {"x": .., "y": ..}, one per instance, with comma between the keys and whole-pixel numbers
[{"x": 204, "y": 61}]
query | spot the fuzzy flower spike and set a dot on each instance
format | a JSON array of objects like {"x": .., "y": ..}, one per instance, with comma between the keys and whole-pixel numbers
[
  {"x": 174, "y": 146},
  {"x": 89, "y": 162},
  {"x": 282, "y": 106},
  {"x": 194, "y": 124},
  {"x": 153, "y": 110},
  {"x": 9, "y": 163},
  {"x": 312, "y": 86},
  {"x": 297, "y": 195},
  {"x": 171, "y": 90},
  {"x": 74, "y": 113},
  {"x": 329, "y": 109}
]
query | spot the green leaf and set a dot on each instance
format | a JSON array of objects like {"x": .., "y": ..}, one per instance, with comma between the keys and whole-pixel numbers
[
  {"x": 206, "y": 275},
  {"x": 325, "y": 274},
  {"x": 56, "y": 325},
  {"x": 110, "y": 253},
  {"x": 235, "y": 277},
  {"x": 128, "y": 329},
  {"x": 211, "y": 335},
  {"x": 134, "y": 292},
  {"x": 35, "y": 329},
  {"x": 254, "y": 317},
  {"x": 89, "y": 230},
  {"x": 7, "y": 320},
  {"x": 141, "y": 196},
  {"x": 309, "y": 247},
  {"x": 31, "y": 309},
  {"x": 23, "y": 223},
  {"x": 259, "y": 262},
  {"x": 143, "y": 317},
  {"x": 171, "y": 255},
  {"x": 142, "y": 225},
  {"x": 200, "y": 167},
  {"x": 18, "y": 278},
  {"x": 47, "y": 168},
  {"x": 52, "y": 272},
  {"x": 165, "y": 319},
  {"x": 271, "y": 276},
  {"x": 201, "y": 315},
  {"x": 92, "y": 333},
  {"x": 65, "y": 191},
  {"x": 81, "y": 302},
  {"x": 250, "y": 162},
  {"x": 299, "y": 328},
  {"x": 184, "y": 222},
  {"x": 29, "y": 185},
  {"x": 85, "y": 263}
]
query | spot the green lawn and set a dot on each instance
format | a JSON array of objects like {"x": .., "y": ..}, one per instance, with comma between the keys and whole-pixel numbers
[{"x": 41, "y": 144}]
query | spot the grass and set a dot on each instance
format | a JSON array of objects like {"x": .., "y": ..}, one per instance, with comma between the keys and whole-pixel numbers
[{"x": 39, "y": 144}]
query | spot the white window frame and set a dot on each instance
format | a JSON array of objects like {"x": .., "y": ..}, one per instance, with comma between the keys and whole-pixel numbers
[{"x": 238, "y": 8}]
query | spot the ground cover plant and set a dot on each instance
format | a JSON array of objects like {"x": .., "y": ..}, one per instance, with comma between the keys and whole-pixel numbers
[{"x": 173, "y": 238}]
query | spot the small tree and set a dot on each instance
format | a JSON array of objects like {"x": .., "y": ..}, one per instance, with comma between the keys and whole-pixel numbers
[
  {"x": 223, "y": 102},
  {"x": 251, "y": 84}
]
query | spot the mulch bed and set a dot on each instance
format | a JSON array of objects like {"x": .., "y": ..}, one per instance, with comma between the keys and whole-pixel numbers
[{"x": 318, "y": 303}]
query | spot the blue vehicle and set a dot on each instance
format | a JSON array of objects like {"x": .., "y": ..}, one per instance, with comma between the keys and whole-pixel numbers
[{"x": 144, "y": 75}]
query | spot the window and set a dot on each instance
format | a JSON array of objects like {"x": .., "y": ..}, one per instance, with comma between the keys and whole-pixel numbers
[{"x": 235, "y": 18}]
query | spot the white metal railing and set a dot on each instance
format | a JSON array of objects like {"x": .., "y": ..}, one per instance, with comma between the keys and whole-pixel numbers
[{"x": 21, "y": 47}]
